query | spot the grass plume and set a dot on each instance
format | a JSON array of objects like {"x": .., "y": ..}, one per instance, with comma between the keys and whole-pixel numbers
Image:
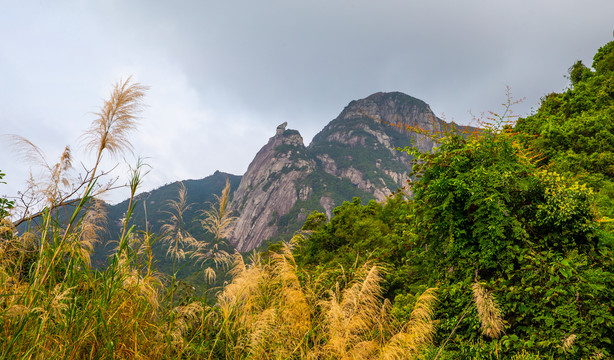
[
  {"x": 489, "y": 313},
  {"x": 116, "y": 119},
  {"x": 175, "y": 235}
]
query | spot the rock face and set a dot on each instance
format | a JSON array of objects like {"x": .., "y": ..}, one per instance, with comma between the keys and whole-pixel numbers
[
  {"x": 400, "y": 112},
  {"x": 269, "y": 188},
  {"x": 354, "y": 155}
]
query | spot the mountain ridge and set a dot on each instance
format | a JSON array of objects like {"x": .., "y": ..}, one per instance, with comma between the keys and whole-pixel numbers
[{"x": 354, "y": 155}]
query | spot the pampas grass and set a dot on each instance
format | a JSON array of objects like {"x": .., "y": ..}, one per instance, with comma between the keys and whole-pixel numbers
[
  {"x": 489, "y": 313},
  {"x": 267, "y": 313},
  {"x": 417, "y": 334},
  {"x": 358, "y": 323},
  {"x": 567, "y": 343},
  {"x": 218, "y": 221},
  {"x": 108, "y": 133},
  {"x": 52, "y": 305},
  {"x": 175, "y": 236},
  {"x": 116, "y": 119}
]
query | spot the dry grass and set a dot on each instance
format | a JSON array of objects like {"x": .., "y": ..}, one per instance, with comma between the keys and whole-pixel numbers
[
  {"x": 266, "y": 313},
  {"x": 52, "y": 305},
  {"x": 567, "y": 343},
  {"x": 116, "y": 119},
  {"x": 218, "y": 221},
  {"x": 489, "y": 313},
  {"x": 358, "y": 324},
  {"x": 352, "y": 314},
  {"x": 417, "y": 334},
  {"x": 174, "y": 234},
  {"x": 55, "y": 185}
]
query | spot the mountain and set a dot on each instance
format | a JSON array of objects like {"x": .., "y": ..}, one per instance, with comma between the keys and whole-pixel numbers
[
  {"x": 269, "y": 188},
  {"x": 354, "y": 155}
]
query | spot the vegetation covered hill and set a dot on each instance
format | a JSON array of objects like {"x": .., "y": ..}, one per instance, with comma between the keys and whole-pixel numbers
[
  {"x": 574, "y": 131},
  {"x": 152, "y": 212}
]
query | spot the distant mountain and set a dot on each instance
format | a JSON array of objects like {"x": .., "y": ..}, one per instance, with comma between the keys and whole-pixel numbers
[
  {"x": 201, "y": 194},
  {"x": 354, "y": 155}
]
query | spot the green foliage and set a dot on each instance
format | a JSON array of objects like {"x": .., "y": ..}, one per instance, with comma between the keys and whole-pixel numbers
[
  {"x": 603, "y": 61},
  {"x": 491, "y": 208},
  {"x": 314, "y": 221},
  {"x": 484, "y": 211},
  {"x": 5, "y": 204},
  {"x": 578, "y": 72},
  {"x": 572, "y": 133},
  {"x": 358, "y": 233},
  {"x": 480, "y": 196}
]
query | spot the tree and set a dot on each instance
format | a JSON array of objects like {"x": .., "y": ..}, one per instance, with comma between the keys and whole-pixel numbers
[
  {"x": 578, "y": 72},
  {"x": 603, "y": 61}
]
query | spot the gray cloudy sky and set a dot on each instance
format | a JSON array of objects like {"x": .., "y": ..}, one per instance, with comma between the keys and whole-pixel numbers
[{"x": 224, "y": 74}]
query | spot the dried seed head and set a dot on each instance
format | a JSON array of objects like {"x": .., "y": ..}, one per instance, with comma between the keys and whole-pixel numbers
[{"x": 489, "y": 312}]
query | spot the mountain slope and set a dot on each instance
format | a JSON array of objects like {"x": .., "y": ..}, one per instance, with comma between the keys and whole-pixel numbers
[{"x": 152, "y": 204}]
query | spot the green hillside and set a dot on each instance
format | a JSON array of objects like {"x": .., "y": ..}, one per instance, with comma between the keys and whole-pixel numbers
[
  {"x": 573, "y": 131},
  {"x": 200, "y": 196}
]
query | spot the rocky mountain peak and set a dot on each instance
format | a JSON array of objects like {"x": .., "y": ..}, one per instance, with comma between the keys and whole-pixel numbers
[
  {"x": 390, "y": 107},
  {"x": 397, "y": 110},
  {"x": 268, "y": 188},
  {"x": 281, "y": 128},
  {"x": 354, "y": 155}
]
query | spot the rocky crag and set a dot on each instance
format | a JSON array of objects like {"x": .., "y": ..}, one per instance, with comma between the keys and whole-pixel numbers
[
  {"x": 269, "y": 188},
  {"x": 354, "y": 155}
]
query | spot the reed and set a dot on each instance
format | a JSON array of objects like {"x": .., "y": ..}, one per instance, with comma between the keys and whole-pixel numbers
[{"x": 489, "y": 312}]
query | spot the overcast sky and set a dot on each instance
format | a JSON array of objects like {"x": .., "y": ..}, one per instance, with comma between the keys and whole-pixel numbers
[{"x": 223, "y": 74}]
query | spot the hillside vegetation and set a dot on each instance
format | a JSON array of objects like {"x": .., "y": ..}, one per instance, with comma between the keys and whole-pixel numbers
[
  {"x": 513, "y": 225},
  {"x": 505, "y": 250}
]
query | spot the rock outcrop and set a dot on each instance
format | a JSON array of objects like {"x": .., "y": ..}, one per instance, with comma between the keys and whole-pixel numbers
[
  {"x": 269, "y": 188},
  {"x": 360, "y": 144}
]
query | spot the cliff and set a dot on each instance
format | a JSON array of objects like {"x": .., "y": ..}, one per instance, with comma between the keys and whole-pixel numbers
[{"x": 269, "y": 187}]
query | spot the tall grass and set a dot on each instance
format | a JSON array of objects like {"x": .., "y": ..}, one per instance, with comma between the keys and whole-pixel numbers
[
  {"x": 52, "y": 304},
  {"x": 266, "y": 313}
]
